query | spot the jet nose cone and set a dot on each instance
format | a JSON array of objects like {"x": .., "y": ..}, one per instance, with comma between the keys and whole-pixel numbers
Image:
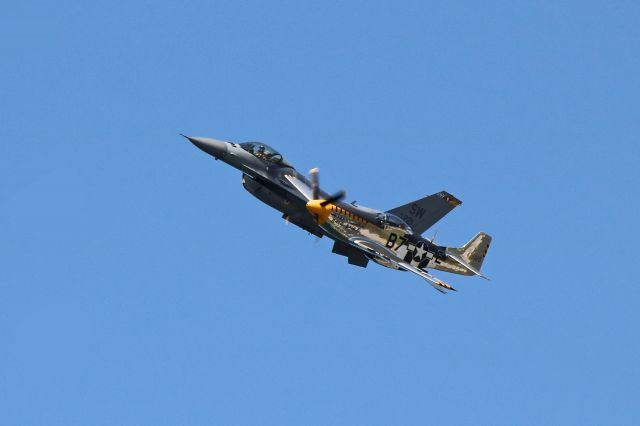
[{"x": 211, "y": 146}]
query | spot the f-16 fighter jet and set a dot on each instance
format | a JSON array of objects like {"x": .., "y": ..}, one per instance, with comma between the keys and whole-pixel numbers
[{"x": 390, "y": 238}]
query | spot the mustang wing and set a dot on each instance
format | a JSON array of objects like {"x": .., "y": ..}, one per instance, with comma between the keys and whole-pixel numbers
[
  {"x": 382, "y": 252},
  {"x": 437, "y": 283}
]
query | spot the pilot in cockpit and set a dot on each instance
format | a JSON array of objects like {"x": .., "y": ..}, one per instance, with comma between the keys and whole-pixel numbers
[{"x": 388, "y": 220}]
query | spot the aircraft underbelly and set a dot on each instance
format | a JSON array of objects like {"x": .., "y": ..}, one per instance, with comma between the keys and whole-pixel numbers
[{"x": 292, "y": 208}]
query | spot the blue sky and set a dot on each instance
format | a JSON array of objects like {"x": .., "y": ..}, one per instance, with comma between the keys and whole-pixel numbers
[{"x": 140, "y": 283}]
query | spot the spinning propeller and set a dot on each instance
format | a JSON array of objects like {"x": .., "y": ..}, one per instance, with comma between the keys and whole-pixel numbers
[{"x": 318, "y": 207}]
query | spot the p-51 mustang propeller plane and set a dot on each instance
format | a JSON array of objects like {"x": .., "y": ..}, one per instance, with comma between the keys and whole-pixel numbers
[{"x": 392, "y": 238}]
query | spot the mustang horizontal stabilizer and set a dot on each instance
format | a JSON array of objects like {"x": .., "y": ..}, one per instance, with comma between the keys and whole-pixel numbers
[
  {"x": 421, "y": 214},
  {"x": 464, "y": 263}
]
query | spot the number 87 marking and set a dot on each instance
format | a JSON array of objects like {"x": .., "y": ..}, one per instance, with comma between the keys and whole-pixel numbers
[{"x": 393, "y": 238}]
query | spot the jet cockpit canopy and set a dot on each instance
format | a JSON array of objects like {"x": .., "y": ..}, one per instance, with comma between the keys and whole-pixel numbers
[{"x": 265, "y": 152}]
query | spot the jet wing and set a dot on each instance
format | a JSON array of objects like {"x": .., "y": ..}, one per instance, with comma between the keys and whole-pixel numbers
[
  {"x": 302, "y": 187},
  {"x": 254, "y": 173},
  {"x": 421, "y": 214},
  {"x": 382, "y": 252}
]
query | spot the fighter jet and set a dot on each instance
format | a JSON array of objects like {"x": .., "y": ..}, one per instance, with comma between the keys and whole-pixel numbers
[{"x": 390, "y": 238}]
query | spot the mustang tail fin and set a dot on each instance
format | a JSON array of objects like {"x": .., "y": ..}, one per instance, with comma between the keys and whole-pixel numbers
[{"x": 467, "y": 260}]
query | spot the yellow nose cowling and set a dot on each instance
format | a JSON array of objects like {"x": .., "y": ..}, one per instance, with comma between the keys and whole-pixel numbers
[{"x": 320, "y": 212}]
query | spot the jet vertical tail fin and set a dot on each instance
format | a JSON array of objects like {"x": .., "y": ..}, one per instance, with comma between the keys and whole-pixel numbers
[{"x": 421, "y": 214}]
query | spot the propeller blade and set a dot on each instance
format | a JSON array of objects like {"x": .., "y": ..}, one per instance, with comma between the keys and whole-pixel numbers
[
  {"x": 315, "y": 183},
  {"x": 335, "y": 197}
]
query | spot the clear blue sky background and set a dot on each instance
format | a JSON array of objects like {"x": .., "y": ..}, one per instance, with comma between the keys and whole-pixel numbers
[{"x": 141, "y": 284}]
